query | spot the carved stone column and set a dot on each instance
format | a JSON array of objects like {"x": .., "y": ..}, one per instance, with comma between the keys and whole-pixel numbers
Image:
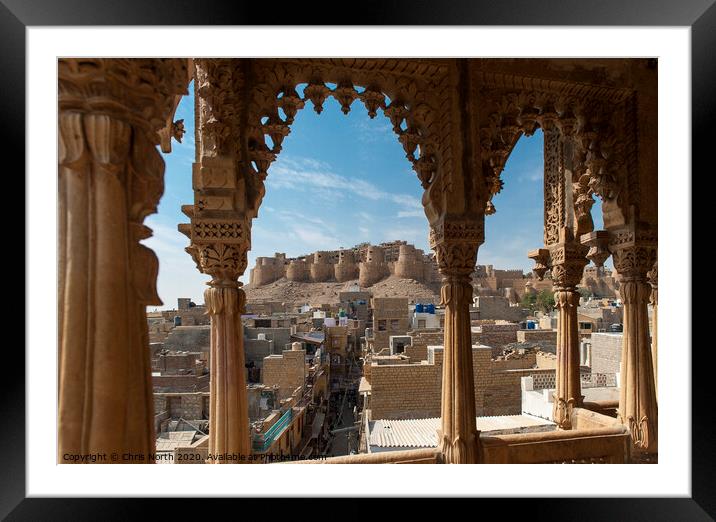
[
  {"x": 634, "y": 254},
  {"x": 225, "y": 300},
  {"x": 653, "y": 277},
  {"x": 565, "y": 214},
  {"x": 567, "y": 263},
  {"x": 220, "y": 239},
  {"x": 456, "y": 244},
  {"x": 111, "y": 177}
]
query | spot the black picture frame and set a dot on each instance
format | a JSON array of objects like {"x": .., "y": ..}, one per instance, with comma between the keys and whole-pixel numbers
[{"x": 699, "y": 15}]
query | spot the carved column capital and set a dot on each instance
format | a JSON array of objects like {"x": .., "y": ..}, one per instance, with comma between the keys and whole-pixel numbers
[
  {"x": 633, "y": 252},
  {"x": 139, "y": 91},
  {"x": 567, "y": 262},
  {"x": 224, "y": 262},
  {"x": 566, "y": 300},
  {"x": 455, "y": 243}
]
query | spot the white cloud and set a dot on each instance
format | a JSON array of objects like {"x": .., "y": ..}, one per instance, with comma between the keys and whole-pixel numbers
[
  {"x": 315, "y": 238},
  {"x": 377, "y": 130},
  {"x": 533, "y": 174},
  {"x": 308, "y": 175},
  {"x": 417, "y": 235},
  {"x": 365, "y": 216},
  {"x": 411, "y": 213}
]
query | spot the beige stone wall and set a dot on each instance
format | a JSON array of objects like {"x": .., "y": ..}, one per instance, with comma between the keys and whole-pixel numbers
[
  {"x": 417, "y": 352},
  {"x": 537, "y": 335},
  {"x": 189, "y": 406},
  {"x": 546, "y": 360},
  {"x": 497, "y": 335},
  {"x": 297, "y": 270},
  {"x": 320, "y": 269},
  {"x": 414, "y": 390},
  {"x": 392, "y": 314},
  {"x": 337, "y": 340},
  {"x": 287, "y": 371},
  {"x": 503, "y": 392},
  {"x": 405, "y": 391},
  {"x": 606, "y": 352}
]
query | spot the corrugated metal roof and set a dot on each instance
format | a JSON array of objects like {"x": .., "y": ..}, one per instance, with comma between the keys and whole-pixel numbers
[
  {"x": 173, "y": 439},
  {"x": 422, "y": 433},
  {"x": 409, "y": 433},
  {"x": 310, "y": 337}
]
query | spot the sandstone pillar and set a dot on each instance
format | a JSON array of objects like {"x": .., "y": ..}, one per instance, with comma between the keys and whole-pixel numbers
[
  {"x": 226, "y": 196},
  {"x": 653, "y": 281},
  {"x": 456, "y": 245},
  {"x": 634, "y": 254},
  {"x": 228, "y": 411},
  {"x": 567, "y": 265},
  {"x": 111, "y": 177}
]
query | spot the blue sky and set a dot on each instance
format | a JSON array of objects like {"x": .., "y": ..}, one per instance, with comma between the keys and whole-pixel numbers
[{"x": 341, "y": 180}]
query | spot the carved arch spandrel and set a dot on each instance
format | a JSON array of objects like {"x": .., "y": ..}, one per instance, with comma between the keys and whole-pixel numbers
[
  {"x": 598, "y": 121},
  {"x": 414, "y": 94}
]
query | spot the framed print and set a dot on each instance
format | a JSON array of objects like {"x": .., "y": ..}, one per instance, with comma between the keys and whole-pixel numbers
[{"x": 419, "y": 236}]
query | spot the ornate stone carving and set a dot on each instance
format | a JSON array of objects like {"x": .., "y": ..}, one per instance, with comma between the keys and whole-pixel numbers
[
  {"x": 541, "y": 258},
  {"x": 568, "y": 393},
  {"x": 110, "y": 179},
  {"x": 463, "y": 230},
  {"x": 411, "y": 109},
  {"x": 634, "y": 252},
  {"x": 554, "y": 201},
  {"x": 652, "y": 277},
  {"x": 634, "y": 261},
  {"x": 599, "y": 122},
  {"x": 597, "y": 242},
  {"x": 218, "y": 82},
  {"x": 459, "y": 438},
  {"x": 224, "y": 262},
  {"x": 178, "y": 130}
]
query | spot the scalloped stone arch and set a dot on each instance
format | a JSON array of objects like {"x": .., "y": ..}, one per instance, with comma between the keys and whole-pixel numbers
[{"x": 409, "y": 109}]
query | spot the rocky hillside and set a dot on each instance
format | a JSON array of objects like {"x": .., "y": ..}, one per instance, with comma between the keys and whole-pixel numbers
[{"x": 314, "y": 294}]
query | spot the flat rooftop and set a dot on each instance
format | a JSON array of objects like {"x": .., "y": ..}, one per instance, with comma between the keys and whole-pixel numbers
[{"x": 389, "y": 435}]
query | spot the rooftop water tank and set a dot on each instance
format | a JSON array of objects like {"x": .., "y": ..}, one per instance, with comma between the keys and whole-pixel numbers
[
  {"x": 430, "y": 308},
  {"x": 418, "y": 308}
]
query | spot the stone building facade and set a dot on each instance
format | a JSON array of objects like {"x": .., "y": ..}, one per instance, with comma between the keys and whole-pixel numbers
[
  {"x": 390, "y": 317},
  {"x": 287, "y": 371},
  {"x": 408, "y": 390}
]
